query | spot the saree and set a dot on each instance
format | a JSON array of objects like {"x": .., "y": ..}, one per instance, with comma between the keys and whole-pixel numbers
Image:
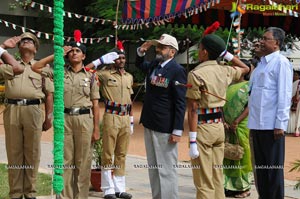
[
  {"x": 294, "y": 120},
  {"x": 237, "y": 173}
]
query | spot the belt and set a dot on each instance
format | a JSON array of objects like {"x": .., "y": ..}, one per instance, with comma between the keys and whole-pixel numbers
[
  {"x": 77, "y": 111},
  {"x": 23, "y": 102},
  {"x": 210, "y": 115},
  {"x": 118, "y": 109}
]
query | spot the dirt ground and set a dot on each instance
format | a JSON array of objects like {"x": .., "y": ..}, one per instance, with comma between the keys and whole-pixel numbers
[{"x": 137, "y": 147}]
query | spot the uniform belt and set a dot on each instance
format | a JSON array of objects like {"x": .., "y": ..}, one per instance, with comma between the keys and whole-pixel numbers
[
  {"x": 210, "y": 118},
  {"x": 77, "y": 111},
  {"x": 118, "y": 109},
  {"x": 23, "y": 102}
]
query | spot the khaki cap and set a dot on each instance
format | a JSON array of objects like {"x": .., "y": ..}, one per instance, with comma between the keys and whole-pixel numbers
[
  {"x": 166, "y": 40},
  {"x": 31, "y": 36}
]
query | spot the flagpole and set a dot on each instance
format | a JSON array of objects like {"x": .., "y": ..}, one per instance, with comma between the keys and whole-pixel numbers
[{"x": 116, "y": 25}]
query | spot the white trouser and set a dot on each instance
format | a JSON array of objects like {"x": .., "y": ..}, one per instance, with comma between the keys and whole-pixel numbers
[{"x": 111, "y": 184}]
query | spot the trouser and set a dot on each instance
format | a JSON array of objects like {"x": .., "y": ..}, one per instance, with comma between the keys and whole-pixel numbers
[
  {"x": 207, "y": 168},
  {"x": 77, "y": 156},
  {"x": 252, "y": 157},
  {"x": 269, "y": 164},
  {"x": 23, "y": 128},
  {"x": 115, "y": 139},
  {"x": 162, "y": 158},
  {"x": 110, "y": 184}
]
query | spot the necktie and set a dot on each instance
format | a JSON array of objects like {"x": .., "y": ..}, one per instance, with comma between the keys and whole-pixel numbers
[{"x": 158, "y": 70}]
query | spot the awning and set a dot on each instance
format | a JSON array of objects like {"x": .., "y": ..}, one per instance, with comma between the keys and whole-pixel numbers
[
  {"x": 258, "y": 13},
  {"x": 145, "y": 11}
]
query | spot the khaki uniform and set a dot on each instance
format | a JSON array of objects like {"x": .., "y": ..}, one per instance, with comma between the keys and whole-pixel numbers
[
  {"x": 207, "y": 168},
  {"x": 80, "y": 89},
  {"x": 116, "y": 90},
  {"x": 23, "y": 128},
  {"x": 6, "y": 71},
  {"x": 116, "y": 126}
]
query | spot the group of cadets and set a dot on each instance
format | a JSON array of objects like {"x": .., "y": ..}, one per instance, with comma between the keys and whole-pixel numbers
[{"x": 169, "y": 90}]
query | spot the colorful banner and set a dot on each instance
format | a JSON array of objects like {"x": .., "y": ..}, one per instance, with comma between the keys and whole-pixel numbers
[{"x": 146, "y": 11}]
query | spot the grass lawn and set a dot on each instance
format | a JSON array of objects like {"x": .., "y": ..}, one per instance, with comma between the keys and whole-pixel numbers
[{"x": 44, "y": 183}]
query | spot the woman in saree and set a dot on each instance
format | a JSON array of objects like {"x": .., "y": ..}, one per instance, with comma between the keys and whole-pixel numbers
[
  {"x": 237, "y": 173},
  {"x": 294, "y": 121}
]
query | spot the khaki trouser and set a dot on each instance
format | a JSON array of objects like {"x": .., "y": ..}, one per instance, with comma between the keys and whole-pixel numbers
[
  {"x": 23, "y": 128},
  {"x": 115, "y": 138},
  {"x": 207, "y": 168},
  {"x": 77, "y": 156}
]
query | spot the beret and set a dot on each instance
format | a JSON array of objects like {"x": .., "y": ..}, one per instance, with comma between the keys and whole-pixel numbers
[
  {"x": 79, "y": 45},
  {"x": 214, "y": 44}
]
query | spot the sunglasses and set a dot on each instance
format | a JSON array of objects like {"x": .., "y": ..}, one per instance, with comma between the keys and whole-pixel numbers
[{"x": 27, "y": 40}]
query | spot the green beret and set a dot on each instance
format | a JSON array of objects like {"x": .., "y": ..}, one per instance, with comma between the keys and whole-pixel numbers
[{"x": 214, "y": 44}]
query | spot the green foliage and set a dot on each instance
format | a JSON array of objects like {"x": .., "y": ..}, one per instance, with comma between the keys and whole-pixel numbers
[
  {"x": 97, "y": 150},
  {"x": 221, "y": 33},
  {"x": 138, "y": 75},
  {"x": 19, "y": 3},
  {"x": 296, "y": 167},
  {"x": 44, "y": 182}
]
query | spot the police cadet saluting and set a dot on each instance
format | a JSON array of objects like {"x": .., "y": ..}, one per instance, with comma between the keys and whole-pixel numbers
[
  {"x": 81, "y": 95},
  {"x": 162, "y": 114},
  {"x": 23, "y": 120},
  {"x": 206, "y": 97},
  {"x": 116, "y": 89}
]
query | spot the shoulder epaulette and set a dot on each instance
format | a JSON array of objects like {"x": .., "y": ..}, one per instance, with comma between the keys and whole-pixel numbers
[{"x": 90, "y": 70}]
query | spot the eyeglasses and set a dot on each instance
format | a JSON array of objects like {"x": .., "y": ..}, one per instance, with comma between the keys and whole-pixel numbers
[
  {"x": 266, "y": 38},
  {"x": 27, "y": 40}
]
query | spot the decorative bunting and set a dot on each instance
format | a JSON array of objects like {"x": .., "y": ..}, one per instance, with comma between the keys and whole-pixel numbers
[
  {"x": 236, "y": 42},
  {"x": 90, "y": 19},
  {"x": 47, "y": 36}
]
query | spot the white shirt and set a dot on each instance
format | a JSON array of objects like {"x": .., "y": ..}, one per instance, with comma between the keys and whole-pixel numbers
[{"x": 271, "y": 93}]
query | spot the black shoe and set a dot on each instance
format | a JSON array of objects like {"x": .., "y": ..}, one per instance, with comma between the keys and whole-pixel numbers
[
  {"x": 110, "y": 196},
  {"x": 123, "y": 195}
]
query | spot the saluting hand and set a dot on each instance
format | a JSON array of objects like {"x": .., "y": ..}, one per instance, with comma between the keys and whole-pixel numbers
[
  {"x": 145, "y": 46},
  {"x": 11, "y": 42},
  {"x": 67, "y": 49}
]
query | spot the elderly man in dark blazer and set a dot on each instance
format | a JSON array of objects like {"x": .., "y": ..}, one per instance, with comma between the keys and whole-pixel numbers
[{"x": 163, "y": 114}]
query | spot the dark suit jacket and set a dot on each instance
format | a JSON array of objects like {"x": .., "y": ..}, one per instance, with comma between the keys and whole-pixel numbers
[{"x": 164, "y": 108}]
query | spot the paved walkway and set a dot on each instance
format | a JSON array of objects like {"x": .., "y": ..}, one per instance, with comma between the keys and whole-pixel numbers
[{"x": 137, "y": 177}]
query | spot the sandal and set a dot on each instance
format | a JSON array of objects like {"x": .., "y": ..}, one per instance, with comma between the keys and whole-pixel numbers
[{"x": 243, "y": 194}]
